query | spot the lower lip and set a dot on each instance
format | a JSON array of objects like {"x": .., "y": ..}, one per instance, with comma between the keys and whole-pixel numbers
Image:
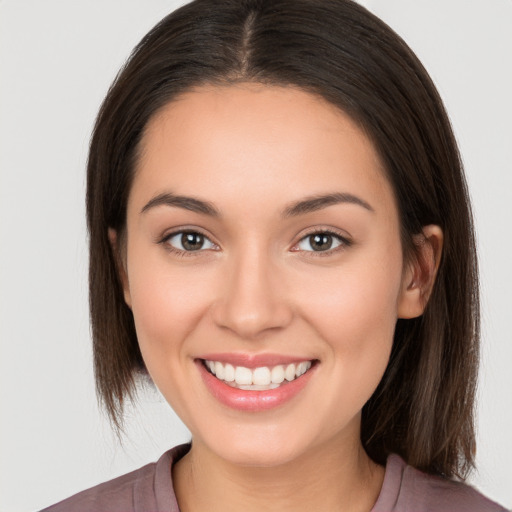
[{"x": 254, "y": 401}]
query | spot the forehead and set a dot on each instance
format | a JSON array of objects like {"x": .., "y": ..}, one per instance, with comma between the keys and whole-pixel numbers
[{"x": 267, "y": 140}]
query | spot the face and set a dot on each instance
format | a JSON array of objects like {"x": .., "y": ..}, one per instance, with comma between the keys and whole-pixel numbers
[{"x": 263, "y": 246}]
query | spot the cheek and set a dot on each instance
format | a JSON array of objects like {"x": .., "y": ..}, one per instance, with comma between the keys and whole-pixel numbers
[
  {"x": 356, "y": 318},
  {"x": 354, "y": 299},
  {"x": 355, "y": 311},
  {"x": 167, "y": 303}
]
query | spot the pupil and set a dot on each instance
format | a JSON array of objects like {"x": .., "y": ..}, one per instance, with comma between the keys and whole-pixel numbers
[
  {"x": 321, "y": 242},
  {"x": 192, "y": 241}
]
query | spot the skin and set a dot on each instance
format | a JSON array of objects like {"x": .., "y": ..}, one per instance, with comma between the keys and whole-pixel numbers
[{"x": 257, "y": 287}]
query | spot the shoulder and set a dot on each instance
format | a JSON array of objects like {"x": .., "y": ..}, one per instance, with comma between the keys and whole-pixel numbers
[
  {"x": 405, "y": 489},
  {"x": 116, "y": 494},
  {"x": 147, "y": 488}
]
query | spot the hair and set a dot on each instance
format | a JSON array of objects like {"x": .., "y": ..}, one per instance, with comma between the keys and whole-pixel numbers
[{"x": 424, "y": 406}]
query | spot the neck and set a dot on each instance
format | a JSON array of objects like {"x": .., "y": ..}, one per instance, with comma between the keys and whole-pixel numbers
[{"x": 326, "y": 479}]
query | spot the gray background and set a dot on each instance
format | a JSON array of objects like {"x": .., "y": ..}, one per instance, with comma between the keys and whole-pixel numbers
[{"x": 57, "y": 59}]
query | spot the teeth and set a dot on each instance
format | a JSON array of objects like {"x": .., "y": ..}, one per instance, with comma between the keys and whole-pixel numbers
[
  {"x": 219, "y": 370},
  {"x": 261, "y": 378},
  {"x": 242, "y": 375},
  {"x": 229, "y": 373},
  {"x": 254, "y": 387},
  {"x": 289, "y": 373},
  {"x": 301, "y": 369},
  {"x": 277, "y": 374}
]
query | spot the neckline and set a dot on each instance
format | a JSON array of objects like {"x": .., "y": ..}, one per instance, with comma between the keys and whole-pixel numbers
[{"x": 165, "y": 495}]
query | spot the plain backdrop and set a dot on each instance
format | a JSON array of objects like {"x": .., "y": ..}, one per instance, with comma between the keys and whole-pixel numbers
[{"x": 57, "y": 59}]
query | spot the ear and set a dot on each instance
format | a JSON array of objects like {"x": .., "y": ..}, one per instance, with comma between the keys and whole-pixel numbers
[
  {"x": 420, "y": 273},
  {"x": 120, "y": 259}
]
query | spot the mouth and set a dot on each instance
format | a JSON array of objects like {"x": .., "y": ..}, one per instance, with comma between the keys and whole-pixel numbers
[
  {"x": 256, "y": 382},
  {"x": 262, "y": 378}
]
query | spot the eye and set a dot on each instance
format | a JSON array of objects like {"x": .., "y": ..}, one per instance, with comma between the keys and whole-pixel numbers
[
  {"x": 189, "y": 241},
  {"x": 321, "y": 241}
]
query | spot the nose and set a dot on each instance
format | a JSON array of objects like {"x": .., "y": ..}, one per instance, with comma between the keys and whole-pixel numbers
[{"x": 252, "y": 300}]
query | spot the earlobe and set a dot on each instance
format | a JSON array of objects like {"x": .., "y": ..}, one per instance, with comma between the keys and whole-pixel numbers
[
  {"x": 120, "y": 264},
  {"x": 420, "y": 275}
]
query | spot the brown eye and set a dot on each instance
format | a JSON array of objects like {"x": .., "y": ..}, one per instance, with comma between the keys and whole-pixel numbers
[
  {"x": 321, "y": 242},
  {"x": 189, "y": 241},
  {"x": 192, "y": 241}
]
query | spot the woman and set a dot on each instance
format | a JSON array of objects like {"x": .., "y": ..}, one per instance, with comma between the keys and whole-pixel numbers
[{"x": 281, "y": 237}]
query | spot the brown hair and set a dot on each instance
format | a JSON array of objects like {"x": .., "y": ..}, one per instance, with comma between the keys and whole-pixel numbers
[{"x": 423, "y": 407}]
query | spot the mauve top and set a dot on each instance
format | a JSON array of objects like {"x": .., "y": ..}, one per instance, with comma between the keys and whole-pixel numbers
[{"x": 150, "y": 489}]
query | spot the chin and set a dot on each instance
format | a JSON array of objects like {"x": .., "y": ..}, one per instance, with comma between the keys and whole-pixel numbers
[{"x": 260, "y": 448}]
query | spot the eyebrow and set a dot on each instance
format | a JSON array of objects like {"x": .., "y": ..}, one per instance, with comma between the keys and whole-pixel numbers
[
  {"x": 315, "y": 203},
  {"x": 185, "y": 202},
  {"x": 308, "y": 205}
]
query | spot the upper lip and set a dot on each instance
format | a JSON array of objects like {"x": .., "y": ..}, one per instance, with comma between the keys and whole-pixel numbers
[{"x": 254, "y": 360}]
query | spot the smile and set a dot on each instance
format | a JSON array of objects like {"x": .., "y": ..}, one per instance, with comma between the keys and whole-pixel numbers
[{"x": 257, "y": 379}]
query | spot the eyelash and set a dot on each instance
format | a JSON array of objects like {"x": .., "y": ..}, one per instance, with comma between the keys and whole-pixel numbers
[
  {"x": 178, "y": 252},
  {"x": 344, "y": 242}
]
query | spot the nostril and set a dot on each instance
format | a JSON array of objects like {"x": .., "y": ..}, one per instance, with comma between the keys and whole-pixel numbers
[{"x": 250, "y": 321}]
